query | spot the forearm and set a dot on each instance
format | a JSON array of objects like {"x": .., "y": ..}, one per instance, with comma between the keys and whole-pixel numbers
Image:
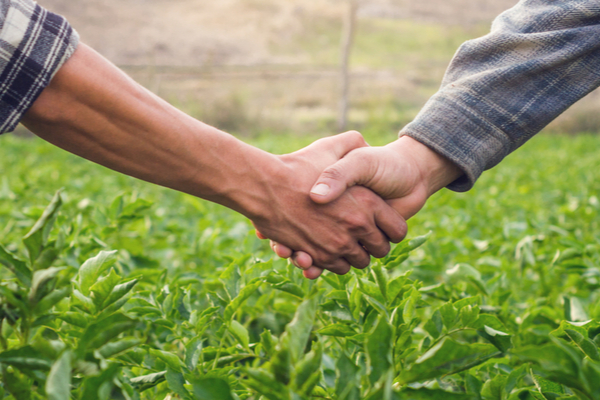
[
  {"x": 500, "y": 90},
  {"x": 94, "y": 110},
  {"x": 434, "y": 171}
]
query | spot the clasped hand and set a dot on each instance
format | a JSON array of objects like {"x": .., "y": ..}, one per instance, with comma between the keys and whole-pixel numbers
[{"x": 342, "y": 174}]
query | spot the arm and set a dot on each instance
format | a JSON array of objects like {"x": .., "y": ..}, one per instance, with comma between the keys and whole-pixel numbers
[
  {"x": 94, "y": 110},
  {"x": 499, "y": 91}
]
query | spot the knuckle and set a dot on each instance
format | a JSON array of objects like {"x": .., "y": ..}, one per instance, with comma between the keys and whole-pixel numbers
[
  {"x": 357, "y": 138},
  {"x": 335, "y": 172}
]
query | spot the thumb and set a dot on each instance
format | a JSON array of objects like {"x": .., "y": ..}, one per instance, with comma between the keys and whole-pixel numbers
[{"x": 354, "y": 169}]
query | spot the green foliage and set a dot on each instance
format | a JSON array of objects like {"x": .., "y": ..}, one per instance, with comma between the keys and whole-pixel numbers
[{"x": 153, "y": 295}]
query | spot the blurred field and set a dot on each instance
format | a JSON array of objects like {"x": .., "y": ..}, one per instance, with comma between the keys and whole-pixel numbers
[{"x": 257, "y": 66}]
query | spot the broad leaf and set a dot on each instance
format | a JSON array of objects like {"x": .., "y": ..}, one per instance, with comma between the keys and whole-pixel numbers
[
  {"x": 445, "y": 358},
  {"x": 58, "y": 384},
  {"x": 91, "y": 270},
  {"x": 36, "y": 238}
]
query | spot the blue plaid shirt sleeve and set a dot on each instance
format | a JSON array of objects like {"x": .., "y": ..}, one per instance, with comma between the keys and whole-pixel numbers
[
  {"x": 34, "y": 44},
  {"x": 540, "y": 57}
]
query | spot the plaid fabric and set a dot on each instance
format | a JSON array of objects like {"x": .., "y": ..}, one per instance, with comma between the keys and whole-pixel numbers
[
  {"x": 500, "y": 90},
  {"x": 34, "y": 44}
]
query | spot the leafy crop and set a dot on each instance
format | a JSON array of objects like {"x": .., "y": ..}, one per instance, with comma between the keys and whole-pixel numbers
[{"x": 161, "y": 296}]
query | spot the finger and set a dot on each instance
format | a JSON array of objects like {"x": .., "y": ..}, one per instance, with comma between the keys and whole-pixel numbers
[
  {"x": 302, "y": 260},
  {"x": 313, "y": 273},
  {"x": 390, "y": 222},
  {"x": 344, "y": 143},
  {"x": 355, "y": 169},
  {"x": 281, "y": 250},
  {"x": 359, "y": 258},
  {"x": 338, "y": 266},
  {"x": 376, "y": 244}
]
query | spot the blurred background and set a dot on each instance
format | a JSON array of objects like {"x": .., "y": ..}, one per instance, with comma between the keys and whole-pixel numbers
[{"x": 253, "y": 67}]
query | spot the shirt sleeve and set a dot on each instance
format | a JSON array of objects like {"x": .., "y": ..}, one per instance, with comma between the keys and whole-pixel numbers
[
  {"x": 34, "y": 44},
  {"x": 540, "y": 57}
]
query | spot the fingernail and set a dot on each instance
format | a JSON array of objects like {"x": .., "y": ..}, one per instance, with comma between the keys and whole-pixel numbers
[{"x": 321, "y": 189}]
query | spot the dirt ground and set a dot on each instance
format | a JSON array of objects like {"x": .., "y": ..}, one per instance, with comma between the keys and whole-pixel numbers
[
  {"x": 200, "y": 32},
  {"x": 271, "y": 65}
]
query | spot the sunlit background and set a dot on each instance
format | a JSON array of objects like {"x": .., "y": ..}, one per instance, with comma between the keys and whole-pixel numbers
[{"x": 254, "y": 67}]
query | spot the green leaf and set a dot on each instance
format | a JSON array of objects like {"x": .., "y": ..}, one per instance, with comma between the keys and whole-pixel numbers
[
  {"x": 433, "y": 394},
  {"x": 546, "y": 387},
  {"x": 559, "y": 361},
  {"x": 51, "y": 299},
  {"x": 297, "y": 332},
  {"x": 584, "y": 344},
  {"x": 400, "y": 252},
  {"x": 236, "y": 303},
  {"x": 26, "y": 358},
  {"x": 307, "y": 367},
  {"x": 379, "y": 350},
  {"x": 170, "y": 359},
  {"x": 463, "y": 271},
  {"x": 16, "y": 384},
  {"x": 347, "y": 384},
  {"x": 100, "y": 290},
  {"x": 410, "y": 306},
  {"x": 118, "y": 292},
  {"x": 501, "y": 340},
  {"x": 435, "y": 325},
  {"x": 145, "y": 382},
  {"x": 48, "y": 255},
  {"x": 211, "y": 389},
  {"x": 36, "y": 238},
  {"x": 338, "y": 330},
  {"x": 494, "y": 389},
  {"x": 371, "y": 289},
  {"x": 468, "y": 315},
  {"x": 240, "y": 333},
  {"x": 176, "y": 382},
  {"x": 58, "y": 383},
  {"x": 83, "y": 302},
  {"x": 91, "y": 270},
  {"x": 39, "y": 282},
  {"x": 281, "y": 365},
  {"x": 489, "y": 320},
  {"x": 574, "y": 310},
  {"x": 381, "y": 279},
  {"x": 291, "y": 288},
  {"x": 446, "y": 358},
  {"x": 114, "y": 348},
  {"x": 448, "y": 313},
  {"x": 192, "y": 353},
  {"x": 16, "y": 266},
  {"x": 564, "y": 325},
  {"x": 101, "y": 332},
  {"x": 264, "y": 383}
]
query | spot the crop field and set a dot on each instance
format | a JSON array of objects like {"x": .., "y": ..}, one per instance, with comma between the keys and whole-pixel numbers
[{"x": 116, "y": 289}]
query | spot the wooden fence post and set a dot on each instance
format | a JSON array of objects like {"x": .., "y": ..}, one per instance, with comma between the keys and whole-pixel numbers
[{"x": 347, "y": 41}]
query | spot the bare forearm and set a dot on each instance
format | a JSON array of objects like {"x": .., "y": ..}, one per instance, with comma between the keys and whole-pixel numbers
[{"x": 94, "y": 110}]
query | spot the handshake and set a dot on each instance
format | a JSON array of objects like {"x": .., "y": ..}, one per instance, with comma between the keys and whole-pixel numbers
[
  {"x": 338, "y": 202},
  {"x": 331, "y": 205}
]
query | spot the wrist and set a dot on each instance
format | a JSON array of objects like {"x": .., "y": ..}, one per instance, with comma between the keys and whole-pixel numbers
[{"x": 435, "y": 170}]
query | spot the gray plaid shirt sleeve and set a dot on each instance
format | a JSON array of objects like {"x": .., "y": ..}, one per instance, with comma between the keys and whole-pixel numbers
[
  {"x": 500, "y": 90},
  {"x": 34, "y": 44}
]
